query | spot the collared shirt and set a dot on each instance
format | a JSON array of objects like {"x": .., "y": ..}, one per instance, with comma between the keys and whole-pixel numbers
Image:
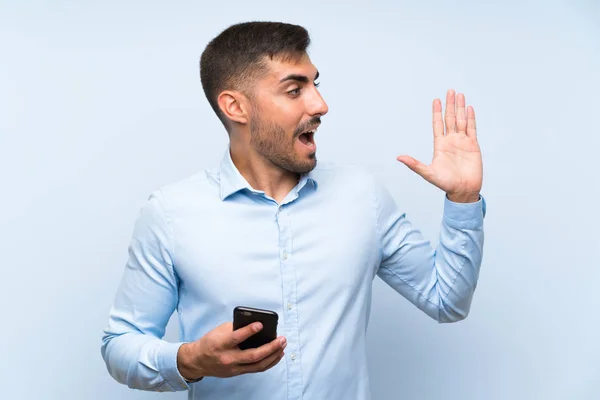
[{"x": 209, "y": 243}]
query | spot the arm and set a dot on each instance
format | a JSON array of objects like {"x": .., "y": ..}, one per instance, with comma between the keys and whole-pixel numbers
[
  {"x": 440, "y": 282},
  {"x": 132, "y": 345}
]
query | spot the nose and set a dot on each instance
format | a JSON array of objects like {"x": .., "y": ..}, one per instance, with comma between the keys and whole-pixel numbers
[{"x": 317, "y": 105}]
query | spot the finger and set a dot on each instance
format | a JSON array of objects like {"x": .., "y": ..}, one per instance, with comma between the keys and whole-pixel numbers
[
  {"x": 251, "y": 356},
  {"x": 416, "y": 166},
  {"x": 239, "y": 335},
  {"x": 264, "y": 364},
  {"x": 450, "y": 115},
  {"x": 274, "y": 363},
  {"x": 461, "y": 117},
  {"x": 438, "y": 123},
  {"x": 471, "y": 127}
]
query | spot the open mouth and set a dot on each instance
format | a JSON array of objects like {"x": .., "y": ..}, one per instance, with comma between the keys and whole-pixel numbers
[{"x": 308, "y": 138}]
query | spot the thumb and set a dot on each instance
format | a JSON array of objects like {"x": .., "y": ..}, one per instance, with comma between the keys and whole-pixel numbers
[
  {"x": 239, "y": 335},
  {"x": 416, "y": 166}
]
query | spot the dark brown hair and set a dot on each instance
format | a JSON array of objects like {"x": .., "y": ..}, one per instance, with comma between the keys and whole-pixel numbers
[{"x": 236, "y": 57}]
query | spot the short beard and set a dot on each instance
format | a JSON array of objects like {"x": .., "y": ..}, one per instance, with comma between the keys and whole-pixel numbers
[{"x": 271, "y": 142}]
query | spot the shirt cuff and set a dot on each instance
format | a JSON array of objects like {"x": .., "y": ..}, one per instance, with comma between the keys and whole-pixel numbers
[
  {"x": 167, "y": 365},
  {"x": 464, "y": 215}
]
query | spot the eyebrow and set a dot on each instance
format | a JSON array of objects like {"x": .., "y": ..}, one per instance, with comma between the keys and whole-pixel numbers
[{"x": 299, "y": 78}]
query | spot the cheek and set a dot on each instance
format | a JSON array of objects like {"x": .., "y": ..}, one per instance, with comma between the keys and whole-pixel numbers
[
  {"x": 288, "y": 111},
  {"x": 283, "y": 112}
]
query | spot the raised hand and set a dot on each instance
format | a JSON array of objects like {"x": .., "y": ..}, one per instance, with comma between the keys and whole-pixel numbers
[{"x": 456, "y": 168}]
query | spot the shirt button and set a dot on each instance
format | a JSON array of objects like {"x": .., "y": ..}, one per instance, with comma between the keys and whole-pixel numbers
[
  {"x": 293, "y": 356},
  {"x": 289, "y": 306},
  {"x": 285, "y": 255}
]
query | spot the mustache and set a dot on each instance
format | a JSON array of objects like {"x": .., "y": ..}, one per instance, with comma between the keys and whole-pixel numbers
[{"x": 308, "y": 125}]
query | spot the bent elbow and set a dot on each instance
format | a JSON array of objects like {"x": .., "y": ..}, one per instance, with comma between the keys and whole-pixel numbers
[
  {"x": 450, "y": 317},
  {"x": 449, "y": 313}
]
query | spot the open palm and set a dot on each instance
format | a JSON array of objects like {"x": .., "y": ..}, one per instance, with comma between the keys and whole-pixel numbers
[{"x": 456, "y": 168}]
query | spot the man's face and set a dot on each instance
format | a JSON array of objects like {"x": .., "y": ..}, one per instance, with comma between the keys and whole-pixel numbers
[{"x": 286, "y": 111}]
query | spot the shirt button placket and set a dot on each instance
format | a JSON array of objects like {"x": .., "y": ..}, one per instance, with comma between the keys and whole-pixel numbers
[{"x": 290, "y": 320}]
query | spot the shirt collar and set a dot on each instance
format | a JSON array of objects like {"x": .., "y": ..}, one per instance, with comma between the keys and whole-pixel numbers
[{"x": 232, "y": 181}]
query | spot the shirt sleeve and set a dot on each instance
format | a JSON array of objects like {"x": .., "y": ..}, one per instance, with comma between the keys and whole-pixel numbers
[
  {"x": 132, "y": 345},
  {"x": 441, "y": 281}
]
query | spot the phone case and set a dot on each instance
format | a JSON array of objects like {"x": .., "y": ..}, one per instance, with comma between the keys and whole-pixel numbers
[{"x": 243, "y": 316}]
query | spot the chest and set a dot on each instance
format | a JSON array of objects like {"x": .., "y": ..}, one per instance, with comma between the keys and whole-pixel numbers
[{"x": 245, "y": 253}]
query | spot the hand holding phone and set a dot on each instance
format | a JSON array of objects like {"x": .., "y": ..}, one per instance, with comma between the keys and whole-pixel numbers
[{"x": 218, "y": 352}]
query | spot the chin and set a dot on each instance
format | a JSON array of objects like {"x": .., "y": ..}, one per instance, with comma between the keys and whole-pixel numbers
[
  {"x": 294, "y": 162},
  {"x": 300, "y": 165},
  {"x": 307, "y": 166}
]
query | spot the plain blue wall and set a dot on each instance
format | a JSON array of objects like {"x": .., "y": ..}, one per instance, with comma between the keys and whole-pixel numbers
[{"x": 100, "y": 103}]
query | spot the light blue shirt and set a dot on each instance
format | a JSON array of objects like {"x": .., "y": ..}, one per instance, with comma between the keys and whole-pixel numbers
[{"x": 211, "y": 242}]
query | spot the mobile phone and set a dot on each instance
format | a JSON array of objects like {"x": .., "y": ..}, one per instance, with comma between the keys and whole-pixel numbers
[{"x": 243, "y": 316}]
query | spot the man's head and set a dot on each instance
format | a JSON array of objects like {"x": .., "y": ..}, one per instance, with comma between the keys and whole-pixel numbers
[{"x": 259, "y": 80}]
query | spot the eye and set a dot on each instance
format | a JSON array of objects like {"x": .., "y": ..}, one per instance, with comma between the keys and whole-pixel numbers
[
  {"x": 294, "y": 92},
  {"x": 317, "y": 84}
]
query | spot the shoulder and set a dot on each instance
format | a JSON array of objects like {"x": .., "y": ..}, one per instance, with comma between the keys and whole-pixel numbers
[{"x": 193, "y": 189}]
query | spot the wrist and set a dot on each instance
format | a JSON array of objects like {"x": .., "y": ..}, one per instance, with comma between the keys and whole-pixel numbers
[
  {"x": 186, "y": 365},
  {"x": 463, "y": 197}
]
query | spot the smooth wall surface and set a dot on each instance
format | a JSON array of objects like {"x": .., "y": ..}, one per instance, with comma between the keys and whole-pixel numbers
[{"x": 100, "y": 103}]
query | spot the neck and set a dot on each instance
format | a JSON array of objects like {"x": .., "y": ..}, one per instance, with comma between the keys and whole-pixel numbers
[{"x": 262, "y": 174}]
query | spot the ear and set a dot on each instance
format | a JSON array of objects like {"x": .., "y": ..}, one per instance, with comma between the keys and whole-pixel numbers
[{"x": 234, "y": 105}]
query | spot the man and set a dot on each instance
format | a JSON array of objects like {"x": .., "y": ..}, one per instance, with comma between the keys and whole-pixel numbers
[{"x": 270, "y": 229}]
